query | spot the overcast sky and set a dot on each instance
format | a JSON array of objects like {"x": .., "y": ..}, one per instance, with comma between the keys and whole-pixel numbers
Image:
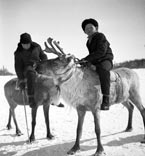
[{"x": 122, "y": 21}]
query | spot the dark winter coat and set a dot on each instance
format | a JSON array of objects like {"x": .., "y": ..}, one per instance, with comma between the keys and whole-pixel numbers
[
  {"x": 99, "y": 49},
  {"x": 25, "y": 58}
]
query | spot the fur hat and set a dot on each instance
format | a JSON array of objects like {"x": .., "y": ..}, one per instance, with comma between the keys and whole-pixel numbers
[
  {"x": 25, "y": 38},
  {"x": 89, "y": 21}
]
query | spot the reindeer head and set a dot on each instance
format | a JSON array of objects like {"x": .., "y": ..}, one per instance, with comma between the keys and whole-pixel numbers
[{"x": 59, "y": 67}]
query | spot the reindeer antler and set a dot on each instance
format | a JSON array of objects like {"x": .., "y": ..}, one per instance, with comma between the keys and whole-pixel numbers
[
  {"x": 58, "y": 46},
  {"x": 49, "y": 40},
  {"x": 52, "y": 49}
]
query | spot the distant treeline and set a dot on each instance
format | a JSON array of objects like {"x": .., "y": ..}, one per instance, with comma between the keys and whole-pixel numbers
[
  {"x": 133, "y": 64},
  {"x": 4, "y": 71}
]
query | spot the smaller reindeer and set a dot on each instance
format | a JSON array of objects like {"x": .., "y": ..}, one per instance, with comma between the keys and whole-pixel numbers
[
  {"x": 80, "y": 87},
  {"x": 46, "y": 93}
]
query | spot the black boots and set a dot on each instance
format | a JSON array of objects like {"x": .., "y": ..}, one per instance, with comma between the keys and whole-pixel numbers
[
  {"x": 105, "y": 102},
  {"x": 31, "y": 101}
]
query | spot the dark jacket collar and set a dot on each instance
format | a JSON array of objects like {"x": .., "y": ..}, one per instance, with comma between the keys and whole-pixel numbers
[{"x": 20, "y": 48}]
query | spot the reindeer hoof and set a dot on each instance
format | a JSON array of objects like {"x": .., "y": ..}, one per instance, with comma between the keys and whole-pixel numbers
[
  {"x": 73, "y": 150},
  {"x": 31, "y": 139},
  {"x": 50, "y": 136},
  {"x": 128, "y": 129},
  {"x": 101, "y": 153},
  {"x": 19, "y": 133},
  {"x": 60, "y": 105},
  {"x": 9, "y": 127}
]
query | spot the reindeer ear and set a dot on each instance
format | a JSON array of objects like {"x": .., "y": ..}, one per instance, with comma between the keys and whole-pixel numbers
[{"x": 62, "y": 57}]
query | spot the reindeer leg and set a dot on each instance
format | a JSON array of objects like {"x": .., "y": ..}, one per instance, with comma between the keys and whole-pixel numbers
[
  {"x": 18, "y": 132},
  {"x": 33, "y": 112},
  {"x": 46, "y": 115},
  {"x": 130, "y": 109},
  {"x": 100, "y": 149},
  {"x": 81, "y": 114},
  {"x": 136, "y": 99},
  {"x": 9, "y": 120}
]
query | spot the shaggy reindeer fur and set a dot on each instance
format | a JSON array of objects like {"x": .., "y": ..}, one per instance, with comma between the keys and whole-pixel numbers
[{"x": 80, "y": 87}]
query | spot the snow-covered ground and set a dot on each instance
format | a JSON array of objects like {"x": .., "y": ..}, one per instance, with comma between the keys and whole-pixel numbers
[{"x": 63, "y": 122}]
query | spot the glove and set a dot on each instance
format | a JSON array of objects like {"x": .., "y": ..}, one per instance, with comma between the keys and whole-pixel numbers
[
  {"x": 83, "y": 62},
  {"x": 22, "y": 85}
]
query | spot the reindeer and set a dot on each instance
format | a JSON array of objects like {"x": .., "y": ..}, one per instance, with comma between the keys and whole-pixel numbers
[
  {"x": 80, "y": 87},
  {"x": 46, "y": 93}
]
